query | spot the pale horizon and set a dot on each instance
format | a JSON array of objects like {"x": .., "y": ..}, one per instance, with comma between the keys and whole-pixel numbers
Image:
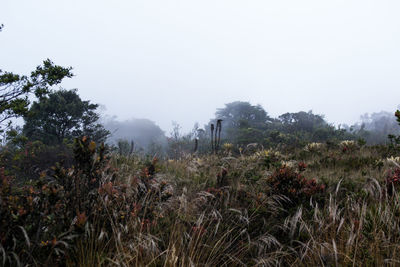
[{"x": 181, "y": 60}]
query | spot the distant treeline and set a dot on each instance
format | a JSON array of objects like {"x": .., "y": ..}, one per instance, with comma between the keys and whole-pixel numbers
[
  {"x": 54, "y": 118},
  {"x": 243, "y": 124}
]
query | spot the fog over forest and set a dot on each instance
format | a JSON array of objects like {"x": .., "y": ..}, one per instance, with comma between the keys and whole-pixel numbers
[
  {"x": 142, "y": 132},
  {"x": 199, "y": 133},
  {"x": 145, "y": 134},
  {"x": 181, "y": 60},
  {"x": 153, "y": 63}
]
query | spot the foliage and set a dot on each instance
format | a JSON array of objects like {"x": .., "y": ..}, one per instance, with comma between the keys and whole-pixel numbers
[
  {"x": 63, "y": 115},
  {"x": 348, "y": 145},
  {"x": 243, "y": 123},
  {"x": 302, "y": 121},
  {"x": 293, "y": 185},
  {"x": 309, "y": 127},
  {"x": 15, "y": 90},
  {"x": 252, "y": 208},
  {"x": 50, "y": 215},
  {"x": 314, "y": 147},
  {"x": 395, "y": 140},
  {"x": 239, "y": 114},
  {"x": 27, "y": 159},
  {"x": 393, "y": 181}
]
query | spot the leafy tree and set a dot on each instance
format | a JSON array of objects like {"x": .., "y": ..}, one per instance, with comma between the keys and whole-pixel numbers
[
  {"x": 243, "y": 114},
  {"x": 395, "y": 139},
  {"x": 243, "y": 123},
  {"x": 63, "y": 115},
  {"x": 308, "y": 127},
  {"x": 302, "y": 121},
  {"x": 15, "y": 89}
]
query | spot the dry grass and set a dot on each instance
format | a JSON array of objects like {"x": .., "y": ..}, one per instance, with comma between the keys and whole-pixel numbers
[{"x": 355, "y": 222}]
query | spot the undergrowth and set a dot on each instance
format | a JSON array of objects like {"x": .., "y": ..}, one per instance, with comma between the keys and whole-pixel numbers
[{"x": 324, "y": 206}]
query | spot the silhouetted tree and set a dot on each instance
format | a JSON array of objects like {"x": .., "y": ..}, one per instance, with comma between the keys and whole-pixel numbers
[
  {"x": 243, "y": 122},
  {"x": 395, "y": 139},
  {"x": 15, "y": 90},
  {"x": 63, "y": 115},
  {"x": 302, "y": 121}
]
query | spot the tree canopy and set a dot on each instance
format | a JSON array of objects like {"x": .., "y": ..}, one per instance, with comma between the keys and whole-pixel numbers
[
  {"x": 63, "y": 115},
  {"x": 243, "y": 122},
  {"x": 15, "y": 89},
  {"x": 302, "y": 121},
  {"x": 242, "y": 114}
]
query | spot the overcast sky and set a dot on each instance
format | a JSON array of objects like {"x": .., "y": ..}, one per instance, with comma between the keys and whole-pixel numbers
[{"x": 180, "y": 60}]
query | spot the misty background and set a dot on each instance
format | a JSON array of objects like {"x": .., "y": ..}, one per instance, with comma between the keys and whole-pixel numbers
[{"x": 163, "y": 61}]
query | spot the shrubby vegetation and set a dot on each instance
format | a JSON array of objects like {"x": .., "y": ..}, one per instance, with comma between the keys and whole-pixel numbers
[
  {"x": 265, "y": 207},
  {"x": 51, "y": 125},
  {"x": 244, "y": 123},
  {"x": 292, "y": 190}
]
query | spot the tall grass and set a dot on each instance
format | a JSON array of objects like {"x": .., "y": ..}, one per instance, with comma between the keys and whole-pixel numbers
[{"x": 179, "y": 213}]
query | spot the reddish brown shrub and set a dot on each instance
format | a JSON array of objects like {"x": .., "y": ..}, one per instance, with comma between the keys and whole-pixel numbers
[
  {"x": 293, "y": 185},
  {"x": 393, "y": 180}
]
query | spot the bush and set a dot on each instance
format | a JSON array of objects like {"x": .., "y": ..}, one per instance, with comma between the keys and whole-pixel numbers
[
  {"x": 393, "y": 181},
  {"x": 28, "y": 160},
  {"x": 293, "y": 185},
  {"x": 52, "y": 213}
]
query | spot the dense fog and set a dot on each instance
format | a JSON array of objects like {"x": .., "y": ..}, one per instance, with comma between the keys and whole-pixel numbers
[
  {"x": 376, "y": 127},
  {"x": 143, "y": 133}
]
